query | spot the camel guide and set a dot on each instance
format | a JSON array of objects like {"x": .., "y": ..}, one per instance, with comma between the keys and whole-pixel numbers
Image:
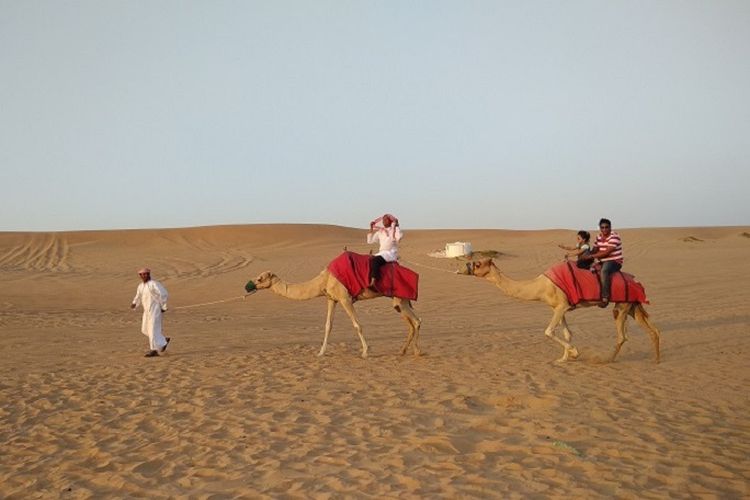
[{"x": 152, "y": 296}]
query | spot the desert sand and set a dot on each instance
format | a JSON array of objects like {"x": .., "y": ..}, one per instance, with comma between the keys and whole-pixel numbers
[{"x": 241, "y": 406}]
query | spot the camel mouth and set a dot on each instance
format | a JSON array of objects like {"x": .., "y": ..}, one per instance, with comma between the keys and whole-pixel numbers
[
  {"x": 466, "y": 270},
  {"x": 250, "y": 286}
]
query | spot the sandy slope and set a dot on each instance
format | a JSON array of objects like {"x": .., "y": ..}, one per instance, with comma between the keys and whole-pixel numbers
[{"x": 242, "y": 406}]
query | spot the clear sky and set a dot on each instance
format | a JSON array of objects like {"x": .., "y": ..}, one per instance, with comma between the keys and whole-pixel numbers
[{"x": 449, "y": 114}]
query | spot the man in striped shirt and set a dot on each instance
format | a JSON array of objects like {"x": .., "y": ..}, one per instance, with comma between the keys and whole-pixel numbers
[{"x": 608, "y": 249}]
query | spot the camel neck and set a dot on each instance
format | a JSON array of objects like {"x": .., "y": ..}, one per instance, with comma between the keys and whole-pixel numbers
[
  {"x": 298, "y": 291},
  {"x": 523, "y": 289}
]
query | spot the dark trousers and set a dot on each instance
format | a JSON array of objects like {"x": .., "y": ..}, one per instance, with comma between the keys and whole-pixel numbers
[
  {"x": 375, "y": 264},
  {"x": 584, "y": 262},
  {"x": 608, "y": 268}
]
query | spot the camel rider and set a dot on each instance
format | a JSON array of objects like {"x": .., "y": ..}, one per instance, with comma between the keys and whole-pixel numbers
[
  {"x": 388, "y": 236},
  {"x": 608, "y": 250},
  {"x": 582, "y": 250}
]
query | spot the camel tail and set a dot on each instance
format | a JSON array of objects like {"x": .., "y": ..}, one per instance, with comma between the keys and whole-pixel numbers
[
  {"x": 634, "y": 310},
  {"x": 398, "y": 301},
  {"x": 637, "y": 308}
]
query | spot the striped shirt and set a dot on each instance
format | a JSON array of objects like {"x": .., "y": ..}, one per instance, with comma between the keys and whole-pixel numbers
[{"x": 611, "y": 241}]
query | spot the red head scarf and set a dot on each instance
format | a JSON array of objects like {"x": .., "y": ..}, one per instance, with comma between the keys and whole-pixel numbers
[{"x": 382, "y": 218}]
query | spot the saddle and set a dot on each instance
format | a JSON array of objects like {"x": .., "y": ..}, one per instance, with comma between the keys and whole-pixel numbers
[
  {"x": 353, "y": 271},
  {"x": 584, "y": 285}
]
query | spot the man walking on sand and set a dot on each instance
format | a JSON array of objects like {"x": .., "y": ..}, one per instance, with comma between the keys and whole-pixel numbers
[{"x": 152, "y": 296}]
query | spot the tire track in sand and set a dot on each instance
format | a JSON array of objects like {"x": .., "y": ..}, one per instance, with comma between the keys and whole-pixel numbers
[{"x": 43, "y": 252}]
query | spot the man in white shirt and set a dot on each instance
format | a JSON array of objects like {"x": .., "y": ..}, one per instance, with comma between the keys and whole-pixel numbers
[
  {"x": 388, "y": 236},
  {"x": 152, "y": 296}
]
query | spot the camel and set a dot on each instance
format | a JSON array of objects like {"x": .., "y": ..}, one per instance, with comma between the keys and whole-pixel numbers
[
  {"x": 325, "y": 284},
  {"x": 543, "y": 289}
]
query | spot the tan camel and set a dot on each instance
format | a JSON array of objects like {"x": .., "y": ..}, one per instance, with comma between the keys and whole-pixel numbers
[
  {"x": 325, "y": 284},
  {"x": 543, "y": 289}
]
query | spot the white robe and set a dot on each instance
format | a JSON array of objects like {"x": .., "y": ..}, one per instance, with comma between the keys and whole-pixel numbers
[
  {"x": 152, "y": 296},
  {"x": 388, "y": 238}
]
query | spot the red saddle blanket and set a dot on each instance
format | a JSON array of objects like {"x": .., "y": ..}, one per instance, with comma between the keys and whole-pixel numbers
[
  {"x": 582, "y": 285},
  {"x": 353, "y": 271}
]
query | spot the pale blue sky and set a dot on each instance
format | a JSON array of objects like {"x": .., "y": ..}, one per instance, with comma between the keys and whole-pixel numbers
[{"x": 461, "y": 114}]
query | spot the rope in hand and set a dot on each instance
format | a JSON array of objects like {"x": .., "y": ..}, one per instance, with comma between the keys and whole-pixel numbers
[
  {"x": 214, "y": 302},
  {"x": 428, "y": 267}
]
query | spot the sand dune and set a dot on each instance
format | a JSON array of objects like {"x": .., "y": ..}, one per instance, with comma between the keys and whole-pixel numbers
[{"x": 241, "y": 406}]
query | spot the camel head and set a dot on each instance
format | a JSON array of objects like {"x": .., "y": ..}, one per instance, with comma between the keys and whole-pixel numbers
[
  {"x": 479, "y": 268},
  {"x": 264, "y": 280}
]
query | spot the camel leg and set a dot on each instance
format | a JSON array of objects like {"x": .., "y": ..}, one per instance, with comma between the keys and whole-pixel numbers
[
  {"x": 329, "y": 325},
  {"x": 557, "y": 316},
  {"x": 567, "y": 335},
  {"x": 412, "y": 321},
  {"x": 417, "y": 324},
  {"x": 620, "y": 313},
  {"x": 641, "y": 316},
  {"x": 349, "y": 308}
]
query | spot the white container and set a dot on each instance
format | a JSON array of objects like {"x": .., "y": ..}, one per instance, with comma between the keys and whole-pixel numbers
[{"x": 457, "y": 249}]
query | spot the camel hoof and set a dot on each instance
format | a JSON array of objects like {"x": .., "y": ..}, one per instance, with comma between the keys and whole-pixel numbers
[
  {"x": 563, "y": 359},
  {"x": 573, "y": 353},
  {"x": 320, "y": 354}
]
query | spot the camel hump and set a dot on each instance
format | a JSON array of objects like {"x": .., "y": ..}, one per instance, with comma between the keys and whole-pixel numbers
[
  {"x": 353, "y": 271},
  {"x": 583, "y": 285}
]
